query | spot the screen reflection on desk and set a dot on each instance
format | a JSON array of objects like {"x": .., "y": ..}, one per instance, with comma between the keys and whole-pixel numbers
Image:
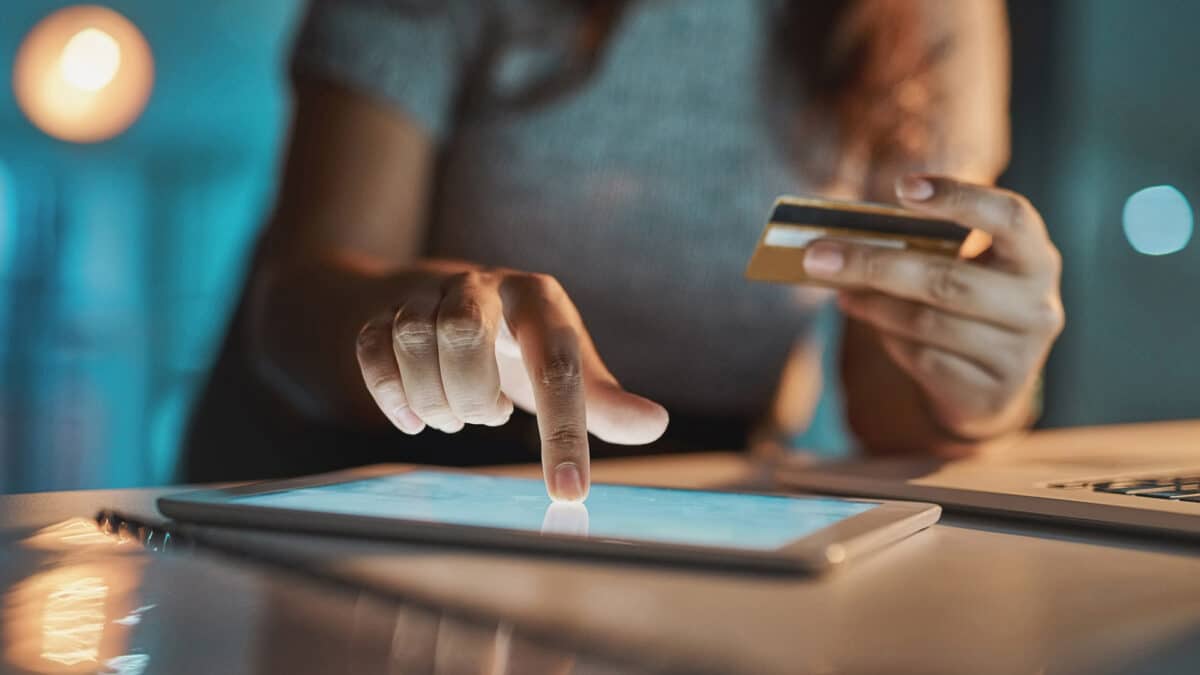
[
  {"x": 75, "y": 616},
  {"x": 119, "y": 603}
]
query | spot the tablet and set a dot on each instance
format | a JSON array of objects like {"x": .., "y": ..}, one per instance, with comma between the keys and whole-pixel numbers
[{"x": 753, "y": 531}]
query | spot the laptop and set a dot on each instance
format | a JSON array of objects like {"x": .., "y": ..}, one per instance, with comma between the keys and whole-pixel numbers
[{"x": 1138, "y": 477}]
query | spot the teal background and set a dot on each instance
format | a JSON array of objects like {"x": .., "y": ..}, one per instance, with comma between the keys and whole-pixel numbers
[{"x": 118, "y": 261}]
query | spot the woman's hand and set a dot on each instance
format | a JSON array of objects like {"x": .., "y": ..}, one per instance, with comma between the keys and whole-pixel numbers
[
  {"x": 973, "y": 334},
  {"x": 465, "y": 344}
]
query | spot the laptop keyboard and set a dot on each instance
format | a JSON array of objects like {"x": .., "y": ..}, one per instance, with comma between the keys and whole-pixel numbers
[{"x": 1180, "y": 488}]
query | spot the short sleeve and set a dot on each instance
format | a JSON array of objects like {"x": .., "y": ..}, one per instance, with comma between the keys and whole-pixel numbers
[{"x": 408, "y": 53}]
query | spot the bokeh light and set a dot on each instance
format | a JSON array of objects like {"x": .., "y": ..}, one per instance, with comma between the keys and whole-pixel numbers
[
  {"x": 90, "y": 60},
  {"x": 83, "y": 74},
  {"x": 1158, "y": 220}
]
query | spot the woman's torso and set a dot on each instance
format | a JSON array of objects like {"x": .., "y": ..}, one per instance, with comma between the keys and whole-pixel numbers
[{"x": 643, "y": 190}]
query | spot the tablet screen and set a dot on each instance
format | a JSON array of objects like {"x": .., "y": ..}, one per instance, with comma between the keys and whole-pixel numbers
[{"x": 714, "y": 519}]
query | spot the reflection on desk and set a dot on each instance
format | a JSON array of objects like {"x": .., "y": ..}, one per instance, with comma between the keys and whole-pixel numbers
[
  {"x": 87, "y": 601},
  {"x": 970, "y": 595}
]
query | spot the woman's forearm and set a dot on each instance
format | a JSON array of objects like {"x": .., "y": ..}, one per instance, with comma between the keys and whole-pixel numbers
[
  {"x": 350, "y": 213},
  {"x": 302, "y": 320}
]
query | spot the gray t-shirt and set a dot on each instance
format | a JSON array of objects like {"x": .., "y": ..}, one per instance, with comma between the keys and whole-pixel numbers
[{"x": 643, "y": 189}]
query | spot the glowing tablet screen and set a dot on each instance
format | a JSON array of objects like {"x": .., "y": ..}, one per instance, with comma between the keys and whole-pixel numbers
[{"x": 713, "y": 519}]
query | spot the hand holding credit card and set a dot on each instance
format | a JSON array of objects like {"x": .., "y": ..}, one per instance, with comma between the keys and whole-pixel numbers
[
  {"x": 796, "y": 222},
  {"x": 971, "y": 332}
]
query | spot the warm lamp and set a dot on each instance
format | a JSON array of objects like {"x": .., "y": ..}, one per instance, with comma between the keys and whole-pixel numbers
[{"x": 83, "y": 74}]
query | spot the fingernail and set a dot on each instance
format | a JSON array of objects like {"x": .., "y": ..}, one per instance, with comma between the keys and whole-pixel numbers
[
  {"x": 407, "y": 420},
  {"x": 567, "y": 483},
  {"x": 823, "y": 260},
  {"x": 914, "y": 188}
]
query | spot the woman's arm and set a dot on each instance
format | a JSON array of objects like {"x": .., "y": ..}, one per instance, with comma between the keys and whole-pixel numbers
[
  {"x": 348, "y": 321},
  {"x": 351, "y": 211},
  {"x": 886, "y": 407}
]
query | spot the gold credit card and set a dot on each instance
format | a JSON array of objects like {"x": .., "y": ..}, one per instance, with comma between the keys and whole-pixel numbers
[{"x": 796, "y": 222}]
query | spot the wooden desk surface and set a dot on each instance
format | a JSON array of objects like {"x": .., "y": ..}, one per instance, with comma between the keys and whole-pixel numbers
[{"x": 966, "y": 596}]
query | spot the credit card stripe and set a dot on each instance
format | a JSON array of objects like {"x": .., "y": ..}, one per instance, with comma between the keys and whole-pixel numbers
[
  {"x": 867, "y": 220},
  {"x": 799, "y": 236}
]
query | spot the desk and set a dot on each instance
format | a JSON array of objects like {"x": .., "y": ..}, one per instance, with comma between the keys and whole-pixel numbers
[{"x": 969, "y": 595}]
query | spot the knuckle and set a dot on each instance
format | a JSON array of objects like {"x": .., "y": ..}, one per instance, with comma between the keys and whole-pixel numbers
[
  {"x": 561, "y": 368},
  {"x": 1049, "y": 316},
  {"x": 930, "y": 362},
  {"x": 413, "y": 336},
  {"x": 462, "y": 280},
  {"x": 561, "y": 373},
  {"x": 545, "y": 285},
  {"x": 957, "y": 198},
  {"x": 1018, "y": 210},
  {"x": 371, "y": 338},
  {"x": 564, "y": 434},
  {"x": 945, "y": 283},
  {"x": 927, "y": 321},
  {"x": 463, "y": 328},
  {"x": 533, "y": 291}
]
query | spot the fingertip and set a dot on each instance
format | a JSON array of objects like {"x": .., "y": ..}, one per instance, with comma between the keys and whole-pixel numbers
[
  {"x": 404, "y": 419},
  {"x": 627, "y": 419},
  {"x": 567, "y": 483},
  {"x": 824, "y": 259},
  {"x": 662, "y": 418},
  {"x": 647, "y": 415},
  {"x": 411, "y": 431},
  {"x": 914, "y": 188}
]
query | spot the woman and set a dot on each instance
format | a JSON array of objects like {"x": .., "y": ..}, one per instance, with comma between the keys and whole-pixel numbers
[{"x": 468, "y": 182}]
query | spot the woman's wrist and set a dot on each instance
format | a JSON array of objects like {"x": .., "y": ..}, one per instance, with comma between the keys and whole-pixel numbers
[{"x": 965, "y": 435}]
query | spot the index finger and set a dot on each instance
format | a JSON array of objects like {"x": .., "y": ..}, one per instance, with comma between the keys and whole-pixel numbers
[
  {"x": 1019, "y": 237},
  {"x": 543, "y": 326}
]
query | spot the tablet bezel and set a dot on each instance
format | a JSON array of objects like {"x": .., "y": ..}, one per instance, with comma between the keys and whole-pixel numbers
[{"x": 889, "y": 521}]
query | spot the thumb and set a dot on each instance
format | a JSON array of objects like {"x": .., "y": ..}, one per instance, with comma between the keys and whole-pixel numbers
[{"x": 617, "y": 416}]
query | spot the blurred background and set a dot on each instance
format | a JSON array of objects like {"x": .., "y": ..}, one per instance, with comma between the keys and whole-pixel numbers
[{"x": 119, "y": 260}]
